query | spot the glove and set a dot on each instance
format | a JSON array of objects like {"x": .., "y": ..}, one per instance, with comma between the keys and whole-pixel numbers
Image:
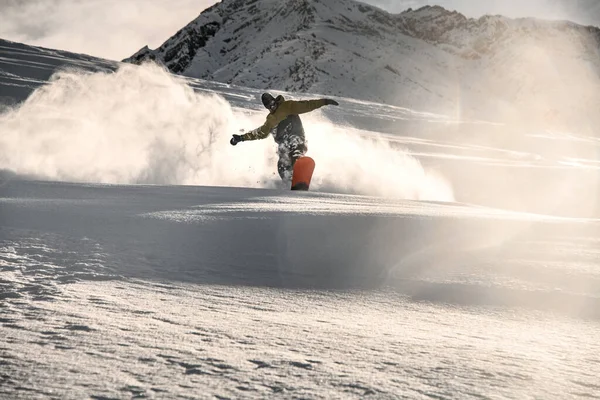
[
  {"x": 236, "y": 139},
  {"x": 331, "y": 102}
]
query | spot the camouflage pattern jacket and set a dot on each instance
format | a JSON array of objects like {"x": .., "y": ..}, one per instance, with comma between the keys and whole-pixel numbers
[{"x": 284, "y": 109}]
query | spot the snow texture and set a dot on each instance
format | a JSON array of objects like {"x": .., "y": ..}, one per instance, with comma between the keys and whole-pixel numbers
[
  {"x": 199, "y": 292},
  {"x": 142, "y": 256}
]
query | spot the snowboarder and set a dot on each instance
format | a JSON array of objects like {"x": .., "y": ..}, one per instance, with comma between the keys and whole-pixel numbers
[{"x": 285, "y": 125}]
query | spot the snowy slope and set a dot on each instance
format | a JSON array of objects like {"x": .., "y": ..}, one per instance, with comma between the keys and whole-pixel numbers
[
  {"x": 152, "y": 259},
  {"x": 24, "y": 68},
  {"x": 524, "y": 70},
  {"x": 199, "y": 292},
  {"x": 128, "y": 124}
]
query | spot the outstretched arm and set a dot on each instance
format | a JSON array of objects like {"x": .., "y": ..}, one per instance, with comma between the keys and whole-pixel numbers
[
  {"x": 258, "y": 133},
  {"x": 304, "y": 106},
  {"x": 285, "y": 109},
  {"x": 263, "y": 131}
]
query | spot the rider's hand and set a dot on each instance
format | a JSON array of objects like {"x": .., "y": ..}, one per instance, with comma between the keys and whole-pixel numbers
[
  {"x": 331, "y": 102},
  {"x": 235, "y": 139}
]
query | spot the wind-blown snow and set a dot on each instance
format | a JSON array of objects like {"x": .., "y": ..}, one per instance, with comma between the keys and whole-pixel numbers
[
  {"x": 143, "y": 125},
  {"x": 500, "y": 165}
]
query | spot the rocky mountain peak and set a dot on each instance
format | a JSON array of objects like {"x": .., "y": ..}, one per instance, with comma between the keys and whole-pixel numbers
[{"x": 418, "y": 58}]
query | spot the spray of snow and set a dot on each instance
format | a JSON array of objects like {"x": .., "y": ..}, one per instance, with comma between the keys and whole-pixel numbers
[{"x": 144, "y": 125}]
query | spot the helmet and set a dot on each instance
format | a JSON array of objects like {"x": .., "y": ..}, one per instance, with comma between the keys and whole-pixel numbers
[{"x": 268, "y": 100}]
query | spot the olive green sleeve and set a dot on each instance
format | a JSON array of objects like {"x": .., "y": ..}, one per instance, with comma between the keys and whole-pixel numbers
[
  {"x": 302, "y": 106},
  {"x": 286, "y": 108},
  {"x": 263, "y": 131}
]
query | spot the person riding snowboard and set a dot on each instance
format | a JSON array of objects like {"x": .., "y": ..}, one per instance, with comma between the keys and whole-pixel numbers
[{"x": 285, "y": 125}]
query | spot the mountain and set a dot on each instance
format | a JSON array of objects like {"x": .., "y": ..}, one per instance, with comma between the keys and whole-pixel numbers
[{"x": 521, "y": 70}]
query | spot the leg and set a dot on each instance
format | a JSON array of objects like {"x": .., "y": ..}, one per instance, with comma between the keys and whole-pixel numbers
[
  {"x": 298, "y": 148},
  {"x": 285, "y": 165},
  {"x": 285, "y": 169},
  {"x": 288, "y": 154}
]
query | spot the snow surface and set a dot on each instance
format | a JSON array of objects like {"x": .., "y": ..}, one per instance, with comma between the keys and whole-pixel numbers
[
  {"x": 143, "y": 256},
  {"x": 197, "y": 292}
]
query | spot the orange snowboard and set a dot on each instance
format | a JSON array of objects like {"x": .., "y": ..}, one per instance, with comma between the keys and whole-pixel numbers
[{"x": 303, "y": 171}]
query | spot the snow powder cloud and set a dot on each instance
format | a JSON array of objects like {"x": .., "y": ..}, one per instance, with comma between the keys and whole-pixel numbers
[{"x": 144, "y": 125}]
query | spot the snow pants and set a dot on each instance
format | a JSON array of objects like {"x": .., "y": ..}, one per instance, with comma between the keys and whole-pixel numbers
[{"x": 289, "y": 151}]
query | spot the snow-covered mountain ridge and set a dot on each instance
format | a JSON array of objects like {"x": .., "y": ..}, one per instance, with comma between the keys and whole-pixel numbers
[{"x": 431, "y": 58}]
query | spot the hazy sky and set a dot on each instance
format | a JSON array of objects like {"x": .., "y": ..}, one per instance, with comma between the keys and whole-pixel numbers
[
  {"x": 116, "y": 29},
  {"x": 581, "y": 11}
]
